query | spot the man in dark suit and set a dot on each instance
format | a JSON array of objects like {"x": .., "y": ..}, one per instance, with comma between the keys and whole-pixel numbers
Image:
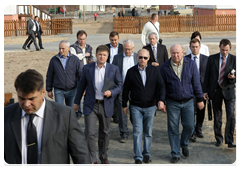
[
  {"x": 201, "y": 62},
  {"x": 146, "y": 88},
  {"x": 38, "y": 131},
  {"x": 38, "y": 34},
  {"x": 98, "y": 104},
  {"x": 124, "y": 61},
  {"x": 31, "y": 28},
  {"x": 219, "y": 85},
  {"x": 158, "y": 52},
  {"x": 114, "y": 48}
]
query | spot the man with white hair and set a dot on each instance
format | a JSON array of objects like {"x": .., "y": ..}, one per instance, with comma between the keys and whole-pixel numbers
[
  {"x": 158, "y": 52},
  {"x": 124, "y": 61},
  {"x": 63, "y": 72}
]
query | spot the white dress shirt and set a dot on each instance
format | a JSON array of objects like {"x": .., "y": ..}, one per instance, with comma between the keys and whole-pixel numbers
[
  {"x": 99, "y": 81},
  {"x": 34, "y": 26},
  {"x": 38, "y": 122},
  {"x": 203, "y": 50},
  {"x": 113, "y": 52},
  {"x": 128, "y": 62},
  {"x": 197, "y": 60}
]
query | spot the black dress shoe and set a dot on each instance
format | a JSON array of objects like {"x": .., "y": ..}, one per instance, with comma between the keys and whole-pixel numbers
[
  {"x": 192, "y": 139},
  {"x": 175, "y": 159},
  {"x": 200, "y": 135},
  {"x": 218, "y": 143},
  {"x": 115, "y": 120},
  {"x": 38, "y": 49},
  {"x": 104, "y": 161},
  {"x": 147, "y": 159},
  {"x": 231, "y": 145},
  {"x": 24, "y": 48},
  {"x": 138, "y": 161},
  {"x": 41, "y": 48},
  {"x": 28, "y": 47},
  {"x": 185, "y": 152},
  {"x": 123, "y": 140}
]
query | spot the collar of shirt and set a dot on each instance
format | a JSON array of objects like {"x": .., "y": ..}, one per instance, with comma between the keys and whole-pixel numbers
[
  {"x": 221, "y": 56},
  {"x": 40, "y": 112},
  {"x": 124, "y": 55},
  {"x": 96, "y": 66},
  {"x": 139, "y": 68},
  {"x": 63, "y": 57},
  {"x": 112, "y": 46},
  {"x": 154, "y": 46},
  {"x": 181, "y": 62},
  {"x": 81, "y": 47},
  {"x": 192, "y": 56}
]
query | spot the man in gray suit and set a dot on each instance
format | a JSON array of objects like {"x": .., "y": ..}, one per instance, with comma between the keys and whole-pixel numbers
[
  {"x": 124, "y": 61},
  {"x": 38, "y": 131},
  {"x": 31, "y": 29}
]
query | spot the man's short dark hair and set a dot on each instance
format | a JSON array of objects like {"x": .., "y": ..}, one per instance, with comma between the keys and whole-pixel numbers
[
  {"x": 81, "y": 32},
  {"x": 195, "y": 34},
  {"x": 29, "y": 81},
  {"x": 36, "y": 17},
  {"x": 102, "y": 48},
  {"x": 225, "y": 42},
  {"x": 113, "y": 34},
  {"x": 153, "y": 15},
  {"x": 194, "y": 40}
]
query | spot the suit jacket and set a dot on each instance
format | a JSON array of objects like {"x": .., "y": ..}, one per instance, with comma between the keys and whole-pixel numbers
[
  {"x": 212, "y": 75},
  {"x": 203, "y": 59},
  {"x": 162, "y": 54},
  {"x": 120, "y": 50},
  {"x": 30, "y": 25},
  {"x": 87, "y": 82},
  {"x": 39, "y": 31},
  {"x": 61, "y": 137},
  {"x": 118, "y": 60}
]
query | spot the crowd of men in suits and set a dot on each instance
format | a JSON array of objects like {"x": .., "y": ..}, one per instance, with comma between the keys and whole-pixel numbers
[{"x": 115, "y": 81}]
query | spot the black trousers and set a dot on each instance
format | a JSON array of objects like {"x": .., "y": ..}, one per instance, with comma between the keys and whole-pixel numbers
[
  {"x": 39, "y": 40},
  {"x": 200, "y": 114},
  {"x": 31, "y": 37},
  {"x": 217, "y": 111}
]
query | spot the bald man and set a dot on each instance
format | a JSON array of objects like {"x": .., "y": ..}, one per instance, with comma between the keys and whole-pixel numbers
[{"x": 181, "y": 83}]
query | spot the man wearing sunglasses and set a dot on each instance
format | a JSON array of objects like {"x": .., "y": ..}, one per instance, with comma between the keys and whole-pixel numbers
[{"x": 147, "y": 90}]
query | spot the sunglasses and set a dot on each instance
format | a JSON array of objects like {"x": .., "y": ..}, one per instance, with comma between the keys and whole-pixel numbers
[{"x": 145, "y": 58}]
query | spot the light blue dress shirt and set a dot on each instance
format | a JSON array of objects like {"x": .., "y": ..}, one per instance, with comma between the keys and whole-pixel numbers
[
  {"x": 64, "y": 60},
  {"x": 143, "y": 74}
]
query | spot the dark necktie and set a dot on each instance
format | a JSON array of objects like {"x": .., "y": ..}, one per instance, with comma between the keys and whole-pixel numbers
[
  {"x": 32, "y": 143},
  {"x": 222, "y": 71},
  {"x": 155, "y": 53}
]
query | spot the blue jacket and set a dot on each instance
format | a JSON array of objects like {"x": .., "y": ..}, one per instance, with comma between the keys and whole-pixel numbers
[
  {"x": 87, "y": 82},
  {"x": 62, "y": 79},
  {"x": 188, "y": 86}
]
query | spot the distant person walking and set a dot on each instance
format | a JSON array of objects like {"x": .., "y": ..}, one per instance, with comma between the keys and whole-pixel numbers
[
  {"x": 134, "y": 12},
  {"x": 95, "y": 16},
  {"x": 122, "y": 12}
]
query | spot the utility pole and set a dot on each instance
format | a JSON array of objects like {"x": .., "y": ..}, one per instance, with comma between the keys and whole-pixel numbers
[{"x": 83, "y": 13}]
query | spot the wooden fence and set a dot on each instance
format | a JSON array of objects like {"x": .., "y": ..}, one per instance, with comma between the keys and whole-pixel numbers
[
  {"x": 49, "y": 27},
  {"x": 134, "y": 25}
]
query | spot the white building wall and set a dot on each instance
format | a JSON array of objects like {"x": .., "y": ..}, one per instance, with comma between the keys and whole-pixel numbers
[{"x": 10, "y": 10}]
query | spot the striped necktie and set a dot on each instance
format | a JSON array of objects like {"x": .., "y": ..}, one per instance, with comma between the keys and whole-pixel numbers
[
  {"x": 155, "y": 53},
  {"x": 222, "y": 71}
]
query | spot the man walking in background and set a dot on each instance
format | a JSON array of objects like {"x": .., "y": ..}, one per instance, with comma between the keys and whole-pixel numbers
[
  {"x": 38, "y": 34},
  {"x": 31, "y": 29},
  {"x": 63, "y": 72}
]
